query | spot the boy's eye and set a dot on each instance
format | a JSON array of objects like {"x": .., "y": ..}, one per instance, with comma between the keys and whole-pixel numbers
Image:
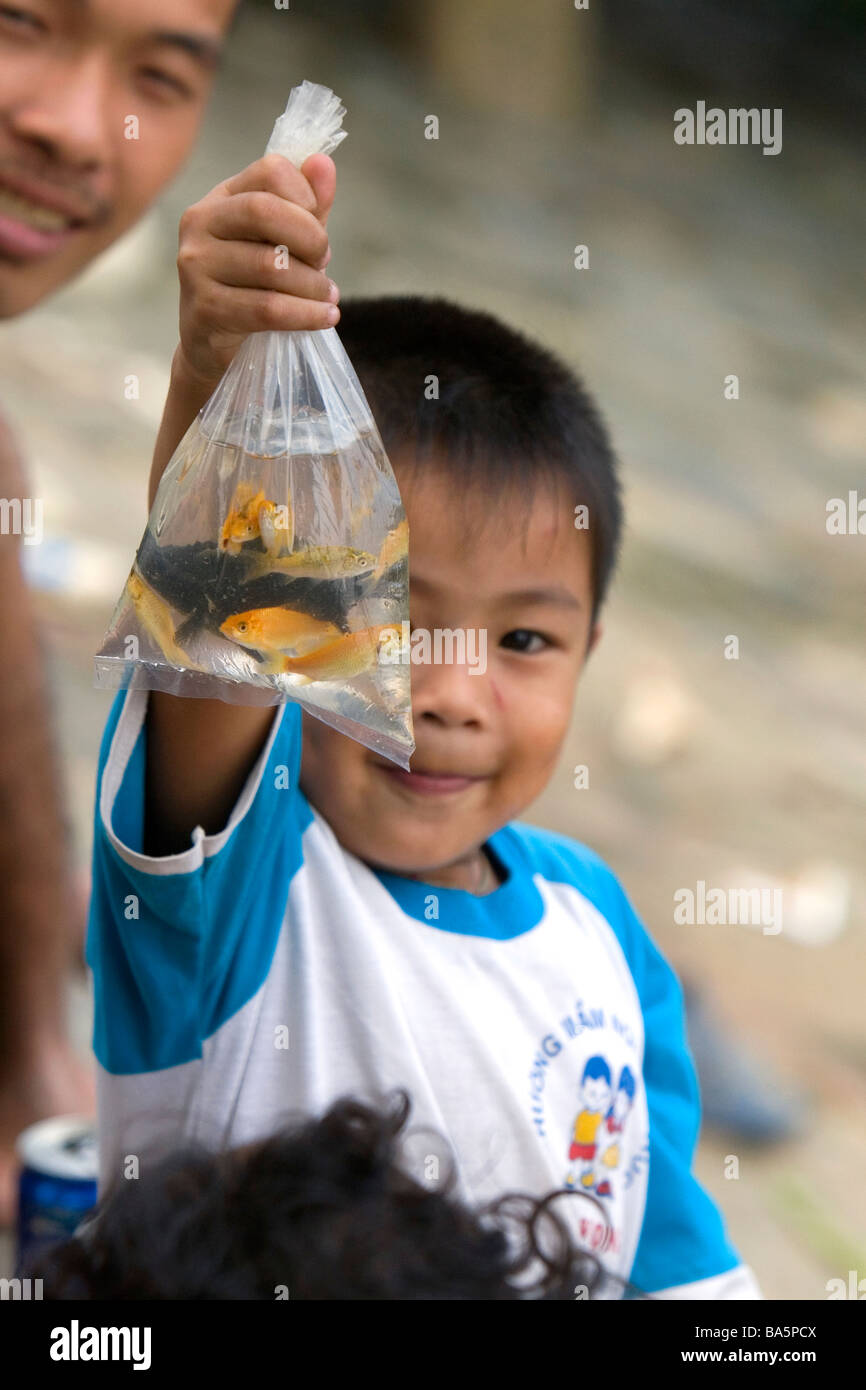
[
  {"x": 19, "y": 21},
  {"x": 521, "y": 639}
]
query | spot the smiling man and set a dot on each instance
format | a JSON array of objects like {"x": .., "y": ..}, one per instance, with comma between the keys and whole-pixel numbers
[
  {"x": 99, "y": 104},
  {"x": 100, "y": 101}
]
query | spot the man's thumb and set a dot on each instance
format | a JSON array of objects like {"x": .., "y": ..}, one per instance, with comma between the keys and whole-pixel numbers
[{"x": 320, "y": 171}]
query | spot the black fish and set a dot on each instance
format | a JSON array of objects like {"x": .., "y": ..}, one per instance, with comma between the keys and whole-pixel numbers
[{"x": 208, "y": 585}]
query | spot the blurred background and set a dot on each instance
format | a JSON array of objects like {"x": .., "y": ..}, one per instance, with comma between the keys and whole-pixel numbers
[{"x": 556, "y": 130}]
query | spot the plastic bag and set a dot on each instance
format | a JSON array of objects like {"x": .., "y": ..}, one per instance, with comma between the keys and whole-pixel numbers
[{"x": 274, "y": 564}]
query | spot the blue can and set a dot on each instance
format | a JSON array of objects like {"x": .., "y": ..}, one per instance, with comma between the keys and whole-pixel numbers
[{"x": 58, "y": 1183}]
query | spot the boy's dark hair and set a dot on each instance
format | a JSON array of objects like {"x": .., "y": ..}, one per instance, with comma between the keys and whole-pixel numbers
[
  {"x": 323, "y": 1212},
  {"x": 509, "y": 414}
]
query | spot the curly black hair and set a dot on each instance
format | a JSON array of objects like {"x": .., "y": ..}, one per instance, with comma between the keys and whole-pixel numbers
[{"x": 324, "y": 1210}]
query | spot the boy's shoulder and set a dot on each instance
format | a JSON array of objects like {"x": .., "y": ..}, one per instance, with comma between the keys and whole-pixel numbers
[{"x": 559, "y": 859}]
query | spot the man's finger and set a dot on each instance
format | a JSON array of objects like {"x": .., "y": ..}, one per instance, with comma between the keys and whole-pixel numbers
[
  {"x": 250, "y": 266},
  {"x": 274, "y": 174},
  {"x": 263, "y": 217},
  {"x": 255, "y": 311}
]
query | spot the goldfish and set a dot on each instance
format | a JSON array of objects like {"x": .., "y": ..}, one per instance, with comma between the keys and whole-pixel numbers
[
  {"x": 252, "y": 515},
  {"x": 349, "y": 655},
  {"x": 154, "y": 614},
  {"x": 394, "y": 547},
  {"x": 277, "y": 630},
  {"x": 241, "y": 523},
  {"x": 319, "y": 562}
]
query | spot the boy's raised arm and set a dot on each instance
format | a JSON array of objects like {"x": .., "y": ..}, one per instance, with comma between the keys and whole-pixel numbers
[{"x": 199, "y": 752}]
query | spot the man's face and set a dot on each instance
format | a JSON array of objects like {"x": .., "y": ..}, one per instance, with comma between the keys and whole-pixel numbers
[
  {"x": 497, "y": 734},
  {"x": 79, "y": 80}
]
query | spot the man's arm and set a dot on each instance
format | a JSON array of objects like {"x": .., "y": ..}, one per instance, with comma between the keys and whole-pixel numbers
[
  {"x": 39, "y": 1075},
  {"x": 199, "y": 752}
]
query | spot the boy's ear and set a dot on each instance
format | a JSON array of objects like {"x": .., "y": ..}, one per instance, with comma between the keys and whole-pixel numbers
[{"x": 594, "y": 637}]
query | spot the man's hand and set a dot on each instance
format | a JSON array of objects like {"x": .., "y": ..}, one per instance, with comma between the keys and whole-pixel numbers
[{"x": 233, "y": 281}]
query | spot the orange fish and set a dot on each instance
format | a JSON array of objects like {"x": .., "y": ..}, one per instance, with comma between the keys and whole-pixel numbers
[
  {"x": 349, "y": 655},
  {"x": 241, "y": 523},
  {"x": 272, "y": 630},
  {"x": 154, "y": 614},
  {"x": 252, "y": 515}
]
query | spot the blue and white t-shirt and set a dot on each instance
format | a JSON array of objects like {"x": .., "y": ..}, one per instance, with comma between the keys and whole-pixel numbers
[{"x": 266, "y": 971}]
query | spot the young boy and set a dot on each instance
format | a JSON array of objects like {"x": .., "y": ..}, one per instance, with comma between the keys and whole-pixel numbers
[{"x": 404, "y": 928}]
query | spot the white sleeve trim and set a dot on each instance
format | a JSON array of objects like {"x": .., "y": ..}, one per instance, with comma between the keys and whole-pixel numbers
[
  {"x": 129, "y": 726},
  {"x": 737, "y": 1283}
]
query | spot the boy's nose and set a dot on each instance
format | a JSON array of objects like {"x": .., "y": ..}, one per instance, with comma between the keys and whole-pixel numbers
[{"x": 449, "y": 693}]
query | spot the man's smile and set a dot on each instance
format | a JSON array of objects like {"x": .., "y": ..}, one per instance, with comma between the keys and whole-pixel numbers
[{"x": 37, "y": 219}]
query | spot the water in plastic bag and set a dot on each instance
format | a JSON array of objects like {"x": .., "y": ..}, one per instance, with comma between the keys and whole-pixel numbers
[{"x": 274, "y": 564}]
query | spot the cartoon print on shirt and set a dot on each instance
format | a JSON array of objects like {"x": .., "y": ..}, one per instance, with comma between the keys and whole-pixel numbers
[
  {"x": 614, "y": 1124},
  {"x": 608, "y": 1151},
  {"x": 595, "y": 1095}
]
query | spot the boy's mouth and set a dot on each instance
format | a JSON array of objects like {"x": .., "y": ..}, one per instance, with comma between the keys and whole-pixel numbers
[{"x": 425, "y": 783}]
